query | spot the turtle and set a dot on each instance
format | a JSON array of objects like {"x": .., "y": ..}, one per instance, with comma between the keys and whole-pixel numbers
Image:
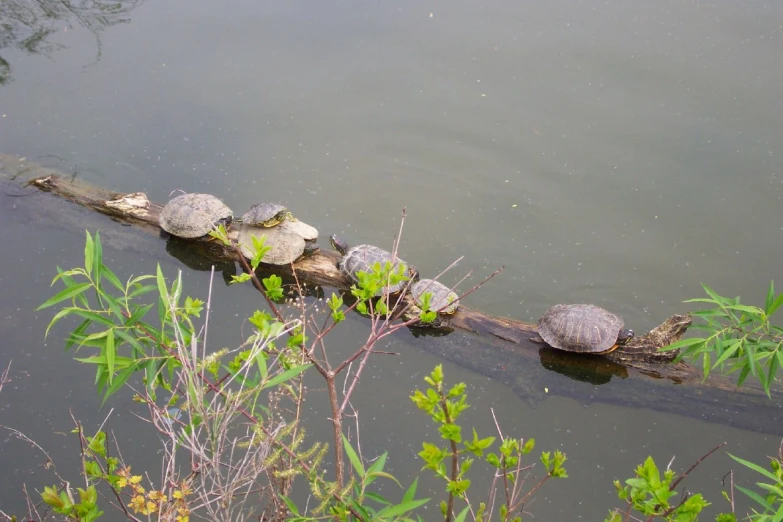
[
  {"x": 266, "y": 215},
  {"x": 194, "y": 215},
  {"x": 361, "y": 258},
  {"x": 442, "y": 297},
  {"x": 582, "y": 328},
  {"x": 286, "y": 242}
]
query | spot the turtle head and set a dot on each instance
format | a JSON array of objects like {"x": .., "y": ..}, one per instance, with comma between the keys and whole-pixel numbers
[
  {"x": 338, "y": 244},
  {"x": 311, "y": 248},
  {"x": 624, "y": 336}
]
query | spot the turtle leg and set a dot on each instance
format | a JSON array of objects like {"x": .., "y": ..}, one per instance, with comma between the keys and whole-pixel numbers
[{"x": 537, "y": 339}]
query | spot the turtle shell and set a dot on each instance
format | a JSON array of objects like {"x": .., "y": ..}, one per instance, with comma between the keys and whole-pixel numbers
[
  {"x": 265, "y": 214},
  {"x": 193, "y": 215},
  {"x": 581, "y": 328},
  {"x": 287, "y": 244},
  {"x": 361, "y": 257},
  {"x": 441, "y": 295}
]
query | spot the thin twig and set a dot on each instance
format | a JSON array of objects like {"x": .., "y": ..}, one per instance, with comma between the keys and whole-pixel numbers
[{"x": 701, "y": 459}]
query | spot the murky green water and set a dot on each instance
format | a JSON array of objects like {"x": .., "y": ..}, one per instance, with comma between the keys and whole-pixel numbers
[{"x": 618, "y": 153}]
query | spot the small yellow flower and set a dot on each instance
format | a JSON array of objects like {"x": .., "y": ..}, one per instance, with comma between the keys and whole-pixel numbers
[
  {"x": 183, "y": 519},
  {"x": 135, "y": 479},
  {"x": 183, "y": 511},
  {"x": 137, "y": 503},
  {"x": 152, "y": 507},
  {"x": 122, "y": 482},
  {"x": 156, "y": 495}
]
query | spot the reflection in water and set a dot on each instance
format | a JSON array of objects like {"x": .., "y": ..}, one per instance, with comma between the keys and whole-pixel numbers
[
  {"x": 201, "y": 256},
  {"x": 26, "y": 25},
  {"x": 592, "y": 369}
]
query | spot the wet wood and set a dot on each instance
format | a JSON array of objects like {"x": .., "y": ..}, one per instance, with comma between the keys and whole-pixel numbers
[{"x": 509, "y": 337}]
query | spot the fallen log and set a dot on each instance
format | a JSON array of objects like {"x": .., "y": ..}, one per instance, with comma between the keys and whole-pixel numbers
[
  {"x": 506, "y": 345},
  {"x": 317, "y": 270}
]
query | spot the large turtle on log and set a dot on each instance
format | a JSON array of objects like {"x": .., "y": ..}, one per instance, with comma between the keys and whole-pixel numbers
[
  {"x": 194, "y": 215},
  {"x": 582, "y": 328},
  {"x": 286, "y": 241}
]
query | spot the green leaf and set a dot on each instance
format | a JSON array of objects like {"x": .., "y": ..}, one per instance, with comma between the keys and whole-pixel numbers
[
  {"x": 701, "y": 300},
  {"x": 119, "y": 382},
  {"x": 753, "y": 310},
  {"x": 732, "y": 349},
  {"x": 773, "y": 368},
  {"x": 110, "y": 353},
  {"x": 141, "y": 290},
  {"x": 743, "y": 374},
  {"x": 462, "y": 515},
  {"x": 285, "y": 376},
  {"x": 718, "y": 298},
  {"x": 750, "y": 357},
  {"x": 114, "y": 306},
  {"x": 411, "y": 491},
  {"x": 383, "y": 474},
  {"x": 133, "y": 341},
  {"x": 706, "y": 365},
  {"x": 64, "y": 294},
  {"x": 753, "y": 496},
  {"x": 356, "y": 462},
  {"x": 137, "y": 314},
  {"x": 401, "y": 508},
  {"x": 163, "y": 291},
  {"x": 88, "y": 253},
  {"x": 77, "y": 333},
  {"x": 377, "y": 498},
  {"x": 775, "y": 305},
  {"x": 93, "y": 316},
  {"x": 113, "y": 279},
  {"x": 376, "y": 467},
  {"x": 59, "y": 315},
  {"x": 290, "y": 504},
  {"x": 755, "y": 467},
  {"x": 97, "y": 259},
  {"x": 119, "y": 361},
  {"x": 770, "y": 297}
]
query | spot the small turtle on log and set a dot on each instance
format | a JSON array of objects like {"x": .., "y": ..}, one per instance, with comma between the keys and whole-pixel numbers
[
  {"x": 442, "y": 300},
  {"x": 361, "y": 258},
  {"x": 266, "y": 215}
]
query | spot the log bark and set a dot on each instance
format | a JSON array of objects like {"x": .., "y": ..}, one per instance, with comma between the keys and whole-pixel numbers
[{"x": 506, "y": 348}]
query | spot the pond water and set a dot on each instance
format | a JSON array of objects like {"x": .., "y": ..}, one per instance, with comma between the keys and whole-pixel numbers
[{"x": 618, "y": 153}]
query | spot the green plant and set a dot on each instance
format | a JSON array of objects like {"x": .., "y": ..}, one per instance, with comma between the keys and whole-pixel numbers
[
  {"x": 452, "y": 464},
  {"x": 216, "y": 411},
  {"x": 770, "y": 499},
  {"x": 62, "y": 502},
  {"x": 357, "y": 498},
  {"x": 651, "y": 495},
  {"x": 212, "y": 393},
  {"x": 738, "y": 337}
]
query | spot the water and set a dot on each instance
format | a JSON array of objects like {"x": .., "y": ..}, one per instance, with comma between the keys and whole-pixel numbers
[{"x": 617, "y": 153}]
